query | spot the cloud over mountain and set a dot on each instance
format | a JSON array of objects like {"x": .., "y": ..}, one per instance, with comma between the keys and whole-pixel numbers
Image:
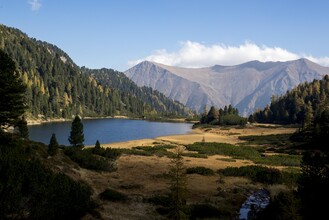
[{"x": 193, "y": 55}]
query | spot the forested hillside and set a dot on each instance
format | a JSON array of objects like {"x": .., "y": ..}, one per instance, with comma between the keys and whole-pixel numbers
[
  {"x": 129, "y": 90},
  {"x": 300, "y": 105},
  {"x": 57, "y": 87}
]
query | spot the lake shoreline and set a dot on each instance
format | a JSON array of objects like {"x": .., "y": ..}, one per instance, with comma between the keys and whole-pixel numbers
[
  {"x": 218, "y": 134},
  {"x": 44, "y": 121}
]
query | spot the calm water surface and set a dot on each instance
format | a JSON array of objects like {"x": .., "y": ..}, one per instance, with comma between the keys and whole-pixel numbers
[{"x": 108, "y": 130}]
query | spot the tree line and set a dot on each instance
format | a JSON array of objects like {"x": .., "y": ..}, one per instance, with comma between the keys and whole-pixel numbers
[
  {"x": 58, "y": 88},
  {"x": 223, "y": 116},
  {"x": 300, "y": 105}
]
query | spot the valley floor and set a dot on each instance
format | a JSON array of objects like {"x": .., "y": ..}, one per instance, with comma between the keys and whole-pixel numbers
[
  {"x": 221, "y": 135},
  {"x": 143, "y": 177}
]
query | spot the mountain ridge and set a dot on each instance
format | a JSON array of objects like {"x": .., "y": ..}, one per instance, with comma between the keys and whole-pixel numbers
[{"x": 247, "y": 86}]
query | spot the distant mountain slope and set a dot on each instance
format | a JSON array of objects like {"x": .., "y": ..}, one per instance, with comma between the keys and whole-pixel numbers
[
  {"x": 57, "y": 87},
  {"x": 118, "y": 80},
  {"x": 247, "y": 86},
  {"x": 301, "y": 105}
]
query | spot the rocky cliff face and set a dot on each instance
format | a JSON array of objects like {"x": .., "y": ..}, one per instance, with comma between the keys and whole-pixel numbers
[{"x": 247, "y": 86}]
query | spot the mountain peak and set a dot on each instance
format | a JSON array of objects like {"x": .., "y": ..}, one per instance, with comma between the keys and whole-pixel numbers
[{"x": 246, "y": 86}]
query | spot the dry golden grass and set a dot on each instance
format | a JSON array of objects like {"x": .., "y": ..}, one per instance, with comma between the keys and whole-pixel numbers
[{"x": 147, "y": 172}]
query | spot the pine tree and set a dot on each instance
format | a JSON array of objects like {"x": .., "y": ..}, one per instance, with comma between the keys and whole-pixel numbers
[
  {"x": 97, "y": 145},
  {"x": 12, "y": 92},
  {"x": 53, "y": 145},
  {"x": 313, "y": 185},
  {"x": 77, "y": 138},
  {"x": 97, "y": 149},
  {"x": 213, "y": 115},
  {"x": 22, "y": 127},
  {"x": 178, "y": 187}
]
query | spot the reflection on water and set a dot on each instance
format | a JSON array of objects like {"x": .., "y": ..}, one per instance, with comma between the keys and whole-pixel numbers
[{"x": 108, "y": 130}]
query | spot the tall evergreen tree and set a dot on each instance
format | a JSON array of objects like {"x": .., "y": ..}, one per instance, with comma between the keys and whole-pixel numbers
[
  {"x": 213, "y": 115},
  {"x": 53, "y": 145},
  {"x": 77, "y": 137},
  {"x": 313, "y": 185},
  {"x": 22, "y": 127},
  {"x": 178, "y": 187},
  {"x": 97, "y": 145},
  {"x": 12, "y": 90}
]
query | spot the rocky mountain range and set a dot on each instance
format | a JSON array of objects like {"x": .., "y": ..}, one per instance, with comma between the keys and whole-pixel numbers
[{"x": 247, "y": 86}]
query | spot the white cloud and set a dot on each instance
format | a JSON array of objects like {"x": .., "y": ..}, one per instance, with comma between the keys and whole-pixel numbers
[
  {"x": 194, "y": 54},
  {"x": 35, "y": 4}
]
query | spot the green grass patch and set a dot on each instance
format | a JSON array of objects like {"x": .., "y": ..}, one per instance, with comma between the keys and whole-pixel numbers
[
  {"x": 237, "y": 152},
  {"x": 160, "y": 150},
  {"x": 272, "y": 140},
  {"x": 279, "y": 160},
  {"x": 200, "y": 170},
  {"x": 244, "y": 152}
]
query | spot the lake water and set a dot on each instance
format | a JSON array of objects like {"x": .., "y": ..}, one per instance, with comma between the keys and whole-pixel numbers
[{"x": 107, "y": 130}]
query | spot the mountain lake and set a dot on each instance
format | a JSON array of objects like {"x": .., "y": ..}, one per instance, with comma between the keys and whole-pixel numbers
[{"x": 107, "y": 130}]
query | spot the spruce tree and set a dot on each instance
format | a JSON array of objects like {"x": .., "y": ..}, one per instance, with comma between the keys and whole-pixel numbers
[
  {"x": 97, "y": 148},
  {"x": 12, "y": 91},
  {"x": 53, "y": 145},
  {"x": 22, "y": 127},
  {"x": 77, "y": 138},
  {"x": 213, "y": 115},
  {"x": 97, "y": 145}
]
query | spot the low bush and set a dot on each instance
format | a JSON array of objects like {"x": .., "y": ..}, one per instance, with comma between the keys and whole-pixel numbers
[
  {"x": 160, "y": 200},
  {"x": 113, "y": 195},
  {"x": 87, "y": 160},
  {"x": 160, "y": 150},
  {"x": 262, "y": 174},
  {"x": 227, "y": 159},
  {"x": 195, "y": 155},
  {"x": 244, "y": 152},
  {"x": 110, "y": 153},
  {"x": 200, "y": 170},
  {"x": 201, "y": 211},
  {"x": 255, "y": 173}
]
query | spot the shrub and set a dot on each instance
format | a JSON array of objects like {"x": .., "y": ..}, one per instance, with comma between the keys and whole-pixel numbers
[
  {"x": 255, "y": 173},
  {"x": 87, "y": 160},
  {"x": 160, "y": 150},
  {"x": 29, "y": 190},
  {"x": 110, "y": 153},
  {"x": 160, "y": 200},
  {"x": 113, "y": 195},
  {"x": 200, "y": 170},
  {"x": 232, "y": 120},
  {"x": 199, "y": 211},
  {"x": 195, "y": 155}
]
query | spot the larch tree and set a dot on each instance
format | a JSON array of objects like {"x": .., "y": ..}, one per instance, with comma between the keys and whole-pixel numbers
[{"x": 77, "y": 137}]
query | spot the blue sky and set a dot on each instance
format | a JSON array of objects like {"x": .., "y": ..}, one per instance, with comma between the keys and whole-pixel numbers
[{"x": 193, "y": 33}]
